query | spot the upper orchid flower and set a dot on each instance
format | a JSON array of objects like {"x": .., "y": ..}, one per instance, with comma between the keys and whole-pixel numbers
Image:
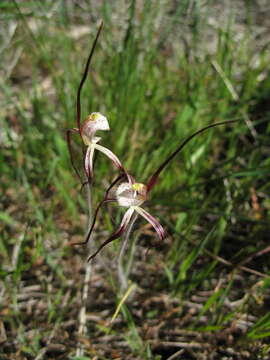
[
  {"x": 94, "y": 122},
  {"x": 132, "y": 195}
]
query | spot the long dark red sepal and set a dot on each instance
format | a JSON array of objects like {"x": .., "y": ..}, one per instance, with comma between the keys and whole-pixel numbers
[
  {"x": 114, "y": 236},
  {"x": 124, "y": 223},
  {"x": 85, "y": 76},
  {"x": 152, "y": 181},
  {"x": 104, "y": 201}
]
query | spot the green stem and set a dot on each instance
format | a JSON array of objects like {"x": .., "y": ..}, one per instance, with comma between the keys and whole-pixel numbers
[{"x": 122, "y": 276}]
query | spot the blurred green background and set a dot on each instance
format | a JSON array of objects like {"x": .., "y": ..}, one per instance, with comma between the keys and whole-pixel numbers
[{"x": 162, "y": 70}]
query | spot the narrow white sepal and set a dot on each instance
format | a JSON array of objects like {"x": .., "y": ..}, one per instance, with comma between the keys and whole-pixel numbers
[
  {"x": 88, "y": 161},
  {"x": 110, "y": 155},
  {"x": 152, "y": 220}
]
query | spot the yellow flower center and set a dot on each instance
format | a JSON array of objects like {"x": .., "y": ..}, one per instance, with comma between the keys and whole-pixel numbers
[{"x": 138, "y": 186}]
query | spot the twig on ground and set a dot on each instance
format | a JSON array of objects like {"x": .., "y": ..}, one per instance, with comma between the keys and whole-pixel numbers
[
  {"x": 175, "y": 344},
  {"x": 238, "y": 267},
  {"x": 175, "y": 355}
]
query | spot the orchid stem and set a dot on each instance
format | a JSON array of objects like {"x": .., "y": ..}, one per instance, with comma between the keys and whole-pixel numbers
[
  {"x": 122, "y": 275},
  {"x": 88, "y": 271},
  {"x": 132, "y": 252},
  {"x": 89, "y": 204}
]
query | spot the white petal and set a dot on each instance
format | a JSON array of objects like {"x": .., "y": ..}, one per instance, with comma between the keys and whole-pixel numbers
[{"x": 88, "y": 161}]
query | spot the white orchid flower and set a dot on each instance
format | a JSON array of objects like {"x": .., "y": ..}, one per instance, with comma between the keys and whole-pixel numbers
[
  {"x": 130, "y": 196},
  {"x": 95, "y": 122}
]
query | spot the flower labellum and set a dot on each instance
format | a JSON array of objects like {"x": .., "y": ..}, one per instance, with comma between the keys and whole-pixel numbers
[
  {"x": 131, "y": 194},
  {"x": 94, "y": 122}
]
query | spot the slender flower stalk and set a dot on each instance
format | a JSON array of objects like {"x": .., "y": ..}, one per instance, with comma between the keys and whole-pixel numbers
[
  {"x": 132, "y": 195},
  {"x": 87, "y": 133},
  {"x": 82, "y": 329},
  {"x": 122, "y": 275}
]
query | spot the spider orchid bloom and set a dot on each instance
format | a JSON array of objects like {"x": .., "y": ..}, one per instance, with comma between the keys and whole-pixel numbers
[
  {"x": 132, "y": 195},
  {"x": 94, "y": 122}
]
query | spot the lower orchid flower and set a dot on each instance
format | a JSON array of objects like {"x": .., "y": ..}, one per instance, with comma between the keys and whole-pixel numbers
[{"x": 132, "y": 195}]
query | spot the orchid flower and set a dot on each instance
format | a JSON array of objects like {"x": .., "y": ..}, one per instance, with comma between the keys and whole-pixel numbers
[
  {"x": 94, "y": 122},
  {"x": 132, "y": 195}
]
